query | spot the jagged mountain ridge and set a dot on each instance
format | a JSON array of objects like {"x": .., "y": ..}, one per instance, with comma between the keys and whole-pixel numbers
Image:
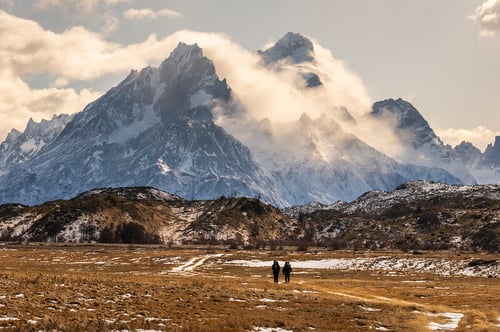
[
  {"x": 156, "y": 128},
  {"x": 423, "y": 147},
  {"x": 19, "y": 147}
]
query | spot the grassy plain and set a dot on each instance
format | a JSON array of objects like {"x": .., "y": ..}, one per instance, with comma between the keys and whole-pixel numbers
[{"x": 154, "y": 288}]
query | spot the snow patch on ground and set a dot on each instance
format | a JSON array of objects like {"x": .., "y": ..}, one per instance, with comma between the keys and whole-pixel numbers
[
  {"x": 270, "y": 329},
  {"x": 446, "y": 267},
  {"x": 3, "y": 319},
  {"x": 452, "y": 324},
  {"x": 194, "y": 263}
]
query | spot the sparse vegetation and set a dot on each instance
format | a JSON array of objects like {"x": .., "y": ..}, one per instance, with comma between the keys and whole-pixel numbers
[
  {"x": 145, "y": 215},
  {"x": 131, "y": 287}
]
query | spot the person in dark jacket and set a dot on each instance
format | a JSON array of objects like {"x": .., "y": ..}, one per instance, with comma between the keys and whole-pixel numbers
[
  {"x": 287, "y": 269},
  {"x": 276, "y": 270}
]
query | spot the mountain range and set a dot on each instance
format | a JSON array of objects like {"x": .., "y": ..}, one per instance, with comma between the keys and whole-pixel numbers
[{"x": 161, "y": 127}]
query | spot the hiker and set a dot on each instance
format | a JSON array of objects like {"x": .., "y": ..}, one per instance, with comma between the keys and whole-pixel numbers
[
  {"x": 276, "y": 270},
  {"x": 287, "y": 269}
]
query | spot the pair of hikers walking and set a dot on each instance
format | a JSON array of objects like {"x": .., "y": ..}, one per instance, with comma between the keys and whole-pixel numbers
[{"x": 287, "y": 269}]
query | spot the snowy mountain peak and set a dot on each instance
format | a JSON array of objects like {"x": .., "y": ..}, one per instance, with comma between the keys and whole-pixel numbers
[
  {"x": 20, "y": 147},
  {"x": 405, "y": 113},
  {"x": 185, "y": 51},
  {"x": 12, "y": 135},
  {"x": 492, "y": 154},
  {"x": 187, "y": 57},
  {"x": 411, "y": 126},
  {"x": 31, "y": 124},
  {"x": 293, "y": 47},
  {"x": 189, "y": 81},
  {"x": 294, "y": 40}
]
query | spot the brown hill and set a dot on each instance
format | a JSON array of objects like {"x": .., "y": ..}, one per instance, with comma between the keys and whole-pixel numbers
[
  {"x": 411, "y": 219},
  {"x": 145, "y": 215}
]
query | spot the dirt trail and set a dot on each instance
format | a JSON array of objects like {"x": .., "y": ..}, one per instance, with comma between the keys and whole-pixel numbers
[
  {"x": 194, "y": 262},
  {"x": 451, "y": 314}
]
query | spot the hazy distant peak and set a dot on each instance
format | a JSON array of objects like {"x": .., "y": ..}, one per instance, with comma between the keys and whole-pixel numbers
[
  {"x": 184, "y": 56},
  {"x": 293, "y": 46},
  {"x": 405, "y": 113},
  {"x": 184, "y": 51},
  {"x": 186, "y": 60}
]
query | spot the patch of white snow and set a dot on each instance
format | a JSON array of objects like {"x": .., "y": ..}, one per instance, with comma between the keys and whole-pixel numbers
[{"x": 452, "y": 324}]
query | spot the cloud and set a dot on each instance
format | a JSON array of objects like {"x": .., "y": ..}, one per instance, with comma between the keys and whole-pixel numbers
[
  {"x": 81, "y": 5},
  {"x": 273, "y": 100},
  {"x": 76, "y": 54},
  {"x": 275, "y": 96},
  {"x": 479, "y": 136},
  {"x": 18, "y": 102},
  {"x": 115, "y": 2},
  {"x": 110, "y": 24},
  {"x": 149, "y": 14},
  {"x": 280, "y": 94},
  {"x": 487, "y": 16}
]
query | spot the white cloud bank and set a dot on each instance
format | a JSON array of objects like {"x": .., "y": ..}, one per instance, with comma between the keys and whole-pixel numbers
[
  {"x": 85, "y": 5},
  {"x": 75, "y": 54},
  {"x": 479, "y": 136},
  {"x": 82, "y": 5},
  {"x": 18, "y": 102},
  {"x": 149, "y": 14},
  {"x": 487, "y": 16}
]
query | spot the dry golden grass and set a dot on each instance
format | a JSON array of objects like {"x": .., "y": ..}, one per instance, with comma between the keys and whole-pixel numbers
[{"x": 108, "y": 287}]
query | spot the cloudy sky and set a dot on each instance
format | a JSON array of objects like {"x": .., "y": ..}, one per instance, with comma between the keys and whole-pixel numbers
[{"x": 443, "y": 56}]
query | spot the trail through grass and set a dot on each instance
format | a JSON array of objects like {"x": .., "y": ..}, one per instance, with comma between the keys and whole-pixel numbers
[{"x": 111, "y": 288}]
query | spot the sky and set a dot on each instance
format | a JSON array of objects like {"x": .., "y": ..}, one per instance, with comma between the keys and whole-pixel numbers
[{"x": 443, "y": 56}]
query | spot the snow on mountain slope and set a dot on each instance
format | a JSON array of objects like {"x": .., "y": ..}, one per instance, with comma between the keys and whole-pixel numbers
[
  {"x": 292, "y": 46},
  {"x": 317, "y": 158},
  {"x": 20, "y": 147},
  {"x": 154, "y": 128},
  {"x": 414, "y": 191},
  {"x": 158, "y": 128},
  {"x": 145, "y": 215},
  {"x": 422, "y": 146}
]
